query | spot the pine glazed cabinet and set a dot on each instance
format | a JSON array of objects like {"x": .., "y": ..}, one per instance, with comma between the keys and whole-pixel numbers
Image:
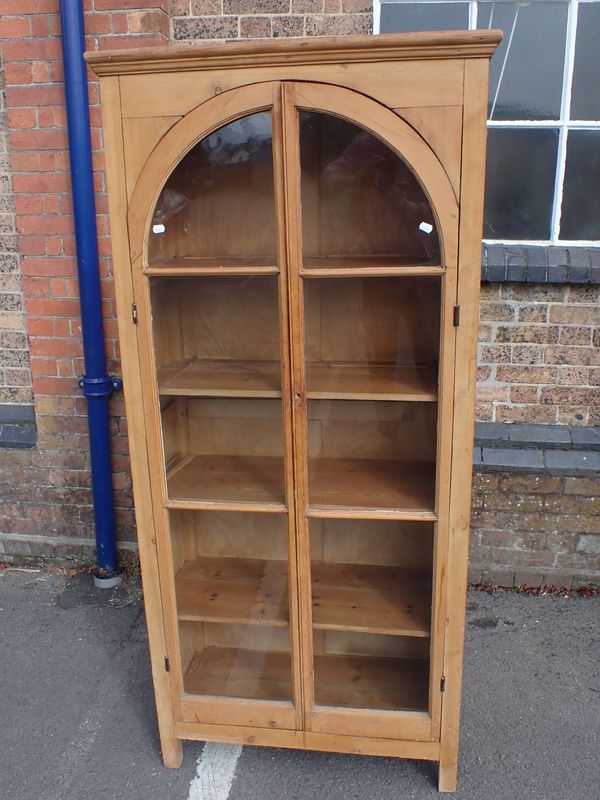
[{"x": 296, "y": 234}]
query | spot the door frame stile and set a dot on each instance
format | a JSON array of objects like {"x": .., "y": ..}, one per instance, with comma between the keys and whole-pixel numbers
[
  {"x": 291, "y": 149},
  {"x": 286, "y": 338}
]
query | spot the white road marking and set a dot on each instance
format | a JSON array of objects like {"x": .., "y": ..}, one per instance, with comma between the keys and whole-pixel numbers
[{"x": 215, "y": 772}]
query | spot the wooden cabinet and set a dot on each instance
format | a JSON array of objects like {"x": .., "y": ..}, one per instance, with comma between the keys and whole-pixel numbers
[{"x": 296, "y": 242}]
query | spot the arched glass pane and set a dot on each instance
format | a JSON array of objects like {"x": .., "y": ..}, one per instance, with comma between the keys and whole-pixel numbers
[
  {"x": 218, "y": 205},
  {"x": 361, "y": 203}
]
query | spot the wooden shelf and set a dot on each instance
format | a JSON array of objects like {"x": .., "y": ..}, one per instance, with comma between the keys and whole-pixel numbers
[
  {"x": 345, "y": 597},
  {"x": 348, "y": 381},
  {"x": 244, "y": 590},
  {"x": 325, "y": 381},
  {"x": 340, "y": 680},
  {"x": 237, "y": 672},
  {"x": 221, "y": 378},
  {"x": 371, "y": 599},
  {"x": 344, "y": 487},
  {"x": 371, "y": 682},
  {"x": 227, "y": 482},
  {"x": 261, "y": 265},
  {"x": 342, "y": 262}
]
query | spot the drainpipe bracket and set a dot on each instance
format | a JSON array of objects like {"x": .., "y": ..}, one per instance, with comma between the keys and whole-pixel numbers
[{"x": 100, "y": 387}]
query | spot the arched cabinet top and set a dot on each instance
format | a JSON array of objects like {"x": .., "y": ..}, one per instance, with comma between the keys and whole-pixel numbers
[{"x": 352, "y": 106}]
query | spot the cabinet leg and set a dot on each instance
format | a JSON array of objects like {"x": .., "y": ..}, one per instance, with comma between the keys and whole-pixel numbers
[
  {"x": 448, "y": 773},
  {"x": 172, "y": 751}
]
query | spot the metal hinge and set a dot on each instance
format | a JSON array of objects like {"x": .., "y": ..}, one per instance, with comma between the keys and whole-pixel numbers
[
  {"x": 134, "y": 315},
  {"x": 456, "y": 317},
  {"x": 443, "y": 684},
  {"x": 167, "y": 664}
]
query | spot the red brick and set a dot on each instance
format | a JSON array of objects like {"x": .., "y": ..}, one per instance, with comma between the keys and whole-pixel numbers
[
  {"x": 17, "y": 97},
  {"x": 125, "y": 5},
  {"x": 55, "y": 347},
  {"x": 45, "y": 224},
  {"x": 39, "y": 25},
  {"x": 44, "y": 72},
  {"x": 28, "y": 204},
  {"x": 98, "y": 24},
  {"x": 32, "y": 245},
  {"x": 33, "y": 6},
  {"x": 14, "y": 27},
  {"x": 49, "y": 307},
  {"x": 32, "y": 49},
  {"x": 22, "y": 118},
  {"x": 17, "y": 74}
]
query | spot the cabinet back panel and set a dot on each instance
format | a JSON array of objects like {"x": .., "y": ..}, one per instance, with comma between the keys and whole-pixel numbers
[
  {"x": 402, "y": 544},
  {"x": 392, "y": 320},
  {"x": 207, "y": 317},
  {"x": 372, "y": 429}
]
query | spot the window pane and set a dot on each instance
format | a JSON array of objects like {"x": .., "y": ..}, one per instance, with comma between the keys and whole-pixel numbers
[
  {"x": 521, "y": 166},
  {"x": 218, "y": 204},
  {"x": 404, "y": 17},
  {"x": 581, "y": 199},
  {"x": 585, "y": 97},
  {"x": 361, "y": 203},
  {"x": 528, "y": 64}
]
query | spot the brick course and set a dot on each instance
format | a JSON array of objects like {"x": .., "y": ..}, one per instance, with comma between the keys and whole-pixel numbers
[{"x": 539, "y": 344}]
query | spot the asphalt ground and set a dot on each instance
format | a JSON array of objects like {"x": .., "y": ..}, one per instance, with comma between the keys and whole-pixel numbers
[{"x": 77, "y": 714}]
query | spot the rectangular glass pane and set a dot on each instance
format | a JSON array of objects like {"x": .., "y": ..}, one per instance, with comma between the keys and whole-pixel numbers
[
  {"x": 216, "y": 343},
  {"x": 371, "y": 365},
  {"x": 585, "y": 92},
  {"x": 218, "y": 206},
  {"x": 371, "y": 612},
  {"x": 406, "y": 17},
  {"x": 361, "y": 204},
  {"x": 580, "y": 218},
  {"x": 526, "y": 79},
  {"x": 520, "y": 175},
  {"x": 231, "y": 584}
]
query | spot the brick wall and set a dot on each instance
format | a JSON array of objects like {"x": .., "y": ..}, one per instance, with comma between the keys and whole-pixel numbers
[
  {"x": 535, "y": 529},
  {"x": 258, "y": 19},
  {"x": 539, "y": 354},
  {"x": 538, "y": 360},
  {"x": 15, "y": 374},
  {"x": 46, "y": 496}
]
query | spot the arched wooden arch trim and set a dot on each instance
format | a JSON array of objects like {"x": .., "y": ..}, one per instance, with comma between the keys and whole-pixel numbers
[
  {"x": 329, "y": 99},
  {"x": 178, "y": 141},
  {"x": 400, "y": 137}
]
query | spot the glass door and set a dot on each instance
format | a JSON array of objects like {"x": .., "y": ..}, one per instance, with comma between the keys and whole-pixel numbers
[
  {"x": 367, "y": 289},
  {"x": 217, "y": 294}
]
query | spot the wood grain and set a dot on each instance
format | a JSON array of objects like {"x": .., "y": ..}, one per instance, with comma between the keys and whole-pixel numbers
[{"x": 345, "y": 597}]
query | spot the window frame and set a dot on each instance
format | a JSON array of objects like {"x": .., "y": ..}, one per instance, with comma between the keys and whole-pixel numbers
[{"x": 563, "y": 123}]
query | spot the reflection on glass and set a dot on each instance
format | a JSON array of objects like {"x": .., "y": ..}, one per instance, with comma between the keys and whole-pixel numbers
[
  {"x": 580, "y": 217},
  {"x": 585, "y": 93},
  {"x": 371, "y": 377},
  {"x": 216, "y": 342},
  {"x": 232, "y": 603},
  {"x": 521, "y": 165},
  {"x": 407, "y": 17},
  {"x": 525, "y": 80},
  {"x": 218, "y": 204},
  {"x": 360, "y": 202}
]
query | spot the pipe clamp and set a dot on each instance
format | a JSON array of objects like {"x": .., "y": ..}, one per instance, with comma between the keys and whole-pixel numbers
[{"x": 100, "y": 387}]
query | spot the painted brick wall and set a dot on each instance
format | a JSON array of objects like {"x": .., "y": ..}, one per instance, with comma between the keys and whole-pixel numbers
[
  {"x": 539, "y": 351},
  {"x": 15, "y": 374}
]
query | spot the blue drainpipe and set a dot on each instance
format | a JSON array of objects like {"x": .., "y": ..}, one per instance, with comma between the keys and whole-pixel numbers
[{"x": 97, "y": 386}]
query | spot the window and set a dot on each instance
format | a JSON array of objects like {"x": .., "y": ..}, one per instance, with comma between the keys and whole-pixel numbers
[{"x": 543, "y": 171}]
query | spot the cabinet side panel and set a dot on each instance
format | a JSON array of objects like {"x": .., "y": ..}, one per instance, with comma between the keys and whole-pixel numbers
[
  {"x": 469, "y": 275},
  {"x": 115, "y": 175}
]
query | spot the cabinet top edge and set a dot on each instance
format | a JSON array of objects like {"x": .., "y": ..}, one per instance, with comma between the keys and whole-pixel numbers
[{"x": 290, "y": 52}]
